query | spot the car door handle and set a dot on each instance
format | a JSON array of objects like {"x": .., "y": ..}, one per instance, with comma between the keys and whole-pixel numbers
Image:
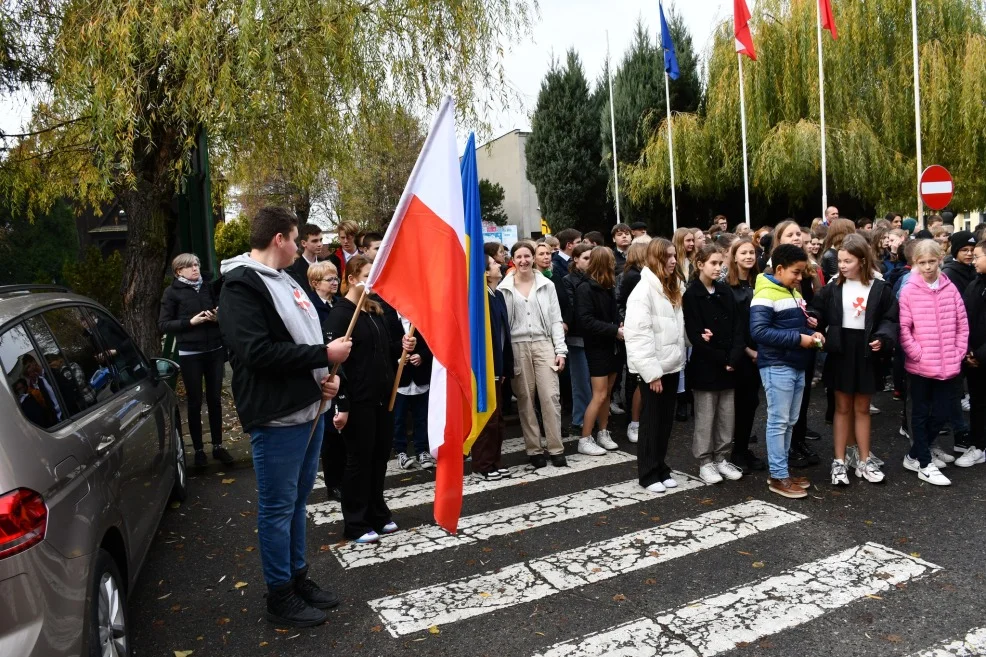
[
  {"x": 146, "y": 409},
  {"x": 104, "y": 443}
]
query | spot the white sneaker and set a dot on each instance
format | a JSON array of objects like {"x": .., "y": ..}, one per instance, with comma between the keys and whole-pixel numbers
[
  {"x": 874, "y": 410},
  {"x": 710, "y": 473},
  {"x": 605, "y": 440},
  {"x": 426, "y": 460},
  {"x": 876, "y": 459},
  {"x": 657, "y": 487},
  {"x": 729, "y": 471},
  {"x": 632, "y": 433},
  {"x": 966, "y": 404},
  {"x": 971, "y": 457},
  {"x": 840, "y": 476},
  {"x": 941, "y": 465},
  {"x": 911, "y": 464},
  {"x": 852, "y": 456},
  {"x": 615, "y": 409},
  {"x": 670, "y": 483},
  {"x": 940, "y": 455},
  {"x": 932, "y": 475},
  {"x": 405, "y": 462},
  {"x": 869, "y": 471},
  {"x": 589, "y": 447}
]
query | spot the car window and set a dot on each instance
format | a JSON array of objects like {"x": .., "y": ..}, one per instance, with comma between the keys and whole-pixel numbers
[
  {"x": 29, "y": 379},
  {"x": 120, "y": 351},
  {"x": 73, "y": 357}
]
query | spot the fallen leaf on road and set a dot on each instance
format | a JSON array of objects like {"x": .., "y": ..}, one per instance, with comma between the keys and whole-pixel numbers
[
  {"x": 228, "y": 481},
  {"x": 893, "y": 638},
  {"x": 757, "y": 564},
  {"x": 875, "y": 597},
  {"x": 183, "y": 653},
  {"x": 915, "y": 554},
  {"x": 175, "y": 505},
  {"x": 619, "y": 597},
  {"x": 745, "y": 554},
  {"x": 484, "y": 594},
  {"x": 434, "y": 630},
  {"x": 176, "y": 608},
  {"x": 263, "y": 643},
  {"x": 166, "y": 595},
  {"x": 650, "y": 581},
  {"x": 708, "y": 501},
  {"x": 239, "y": 585},
  {"x": 281, "y": 631},
  {"x": 376, "y": 628},
  {"x": 222, "y": 621},
  {"x": 324, "y": 548}
]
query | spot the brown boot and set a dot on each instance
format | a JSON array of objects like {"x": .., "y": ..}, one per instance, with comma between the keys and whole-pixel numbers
[
  {"x": 786, "y": 487},
  {"x": 801, "y": 481}
]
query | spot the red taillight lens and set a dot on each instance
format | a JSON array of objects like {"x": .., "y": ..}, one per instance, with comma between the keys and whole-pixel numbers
[{"x": 23, "y": 521}]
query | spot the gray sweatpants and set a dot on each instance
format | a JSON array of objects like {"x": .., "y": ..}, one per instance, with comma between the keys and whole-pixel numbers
[{"x": 714, "y": 422}]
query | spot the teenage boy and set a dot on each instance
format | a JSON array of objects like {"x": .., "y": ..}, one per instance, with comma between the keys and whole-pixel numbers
[
  {"x": 637, "y": 229},
  {"x": 311, "y": 245},
  {"x": 622, "y": 237},
  {"x": 960, "y": 269},
  {"x": 975, "y": 361},
  {"x": 785, "y": 337},
  {"x": 346, "y": 232},
  {"x": 371, "y": 244},
  {"x": 280, "y": 376}
]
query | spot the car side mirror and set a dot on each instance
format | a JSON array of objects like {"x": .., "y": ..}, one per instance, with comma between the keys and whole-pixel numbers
[{"x": 164, "y": 369}]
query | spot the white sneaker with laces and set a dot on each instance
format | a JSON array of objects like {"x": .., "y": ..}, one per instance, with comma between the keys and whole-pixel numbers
[
  {"x": 972, "y": 456},
  {"x": 876, "y": 459},
  {"x": 941, "y": 465},
  {"x": 589, "y": 447},
  {"x": 405, "y": 462},
  {"x": 966, "y": 405},
  {"x": 840, "y": 476},
  {"x": 940, "y": 455},
  {"x": 633, "y": 433},
  {"x": 605, "y": 440},
  {"x": 615, "y": 409},
  {"x": 874, "y": 410},
  {"x": 729, "y": 471},
  {"x": 657, "y": 487},
  {"x": 911, "y": 464},
  {"x": 709, "y": 473},
  {"x": 932, "y": 475},
  {"x": 670, "y": 483},
  {"x": 869, "y": 471},
  {"x": 426, "y": 460},
  {"x": 852, "y": 456}
]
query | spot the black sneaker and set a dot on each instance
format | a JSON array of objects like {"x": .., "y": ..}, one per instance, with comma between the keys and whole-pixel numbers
[
  {"x": 310, "y": 592},
  {"x": 559, "y": 460},
  {"x": 755, "y": 462},
  {"x": 286, "y": 607},
  {"x": 334, "y": 494},
  {"x": 200, "y": 460},
  {"x": 538, "y": 461},
  {"x": 739, "y": 460},
  {"x": 961, "y": 444},
  {"x": 801, "y": 457},
  {"x": 220, "y": 454},
  {"x": 811, "y": 434}
]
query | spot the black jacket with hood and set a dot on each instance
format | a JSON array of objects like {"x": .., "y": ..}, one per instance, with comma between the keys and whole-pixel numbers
[
  {"x": 975, "y": 307},
  {"x": 179, "y": 304},
  {"x": 719, "y": 313}
]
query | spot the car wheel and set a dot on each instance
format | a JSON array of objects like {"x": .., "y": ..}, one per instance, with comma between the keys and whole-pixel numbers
[
  {"x": 179, "y": 491},
  {"x": 109, "y": 635}
]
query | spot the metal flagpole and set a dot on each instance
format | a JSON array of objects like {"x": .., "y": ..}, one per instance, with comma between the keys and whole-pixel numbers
[
  {"x": 821, "y": 97},
  {"x": 746, "y": 171},
  {"x": 612, "y": 123},
  {"x": 674, "y": 205},
  {"x": 917, "y": 107}
]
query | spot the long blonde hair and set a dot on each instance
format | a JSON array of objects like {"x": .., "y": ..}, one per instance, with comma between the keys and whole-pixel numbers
[{"x": 685, "y": 264}]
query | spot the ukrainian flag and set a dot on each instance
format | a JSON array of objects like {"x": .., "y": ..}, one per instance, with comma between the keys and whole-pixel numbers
[{"x": 480, "y": 335}]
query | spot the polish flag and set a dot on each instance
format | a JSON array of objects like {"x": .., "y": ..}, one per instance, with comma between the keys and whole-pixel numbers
[
  {"x": 741, "y": 28},
  {"x": 420, "y": 270},
  {"x": 828, "y": 20}
]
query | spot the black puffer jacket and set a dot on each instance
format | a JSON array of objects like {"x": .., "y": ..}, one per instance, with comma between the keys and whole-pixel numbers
[
  {"x": 975, "y": 307},
  {"x": 597, "y": 317},
  {"x": 179, "y": 305},
  {"x": 717, "y": 312},
  {"x": 628, "y": 281},
  {"x": 961, "y": 275},
  {"x": 570, "y": 283}
]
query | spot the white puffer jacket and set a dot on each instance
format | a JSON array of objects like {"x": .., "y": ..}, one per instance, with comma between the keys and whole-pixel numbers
[
  {"x": 547, "y": 298},
  {"x": 654, "y": 330}
]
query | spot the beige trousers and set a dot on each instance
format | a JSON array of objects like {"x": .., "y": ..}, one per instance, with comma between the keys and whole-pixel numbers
[{"x": 532, "y": 372}]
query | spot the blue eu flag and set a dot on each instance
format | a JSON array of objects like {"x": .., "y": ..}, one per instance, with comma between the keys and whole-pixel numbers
[{"x": 670, "y": 57}]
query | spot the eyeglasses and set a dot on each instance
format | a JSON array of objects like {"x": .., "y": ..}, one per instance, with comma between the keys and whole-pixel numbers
[{"x": 331, "y": 279}]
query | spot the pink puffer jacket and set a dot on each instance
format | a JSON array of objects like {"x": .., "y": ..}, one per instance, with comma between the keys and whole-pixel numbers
[{"x": 934, "y": 329}]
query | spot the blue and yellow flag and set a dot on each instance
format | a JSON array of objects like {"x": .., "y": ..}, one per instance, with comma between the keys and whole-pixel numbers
[{"x": 480, "y": 335}]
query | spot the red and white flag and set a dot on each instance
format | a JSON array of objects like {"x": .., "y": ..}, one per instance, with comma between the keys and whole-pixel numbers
[
  {"x": 741, "y": 27},
  {"x": 420, "y": 270},
  {"x": 828, "y": 20}
]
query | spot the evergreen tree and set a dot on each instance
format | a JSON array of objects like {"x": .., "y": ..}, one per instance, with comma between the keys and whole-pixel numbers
[
  {"x": 563, "y": 151},
  {"x": 491, "y": 197},
  {"x": 35, "y": 251}
]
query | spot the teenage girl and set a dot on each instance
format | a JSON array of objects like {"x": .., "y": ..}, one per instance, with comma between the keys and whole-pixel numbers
[
  {"x": 860, "y": 315},
  {"x": 636, "y": 261},
  {"x": 684, "y": 246},
  {"x": 712, "y": 327},
  {"x": 578, "y": 368}
]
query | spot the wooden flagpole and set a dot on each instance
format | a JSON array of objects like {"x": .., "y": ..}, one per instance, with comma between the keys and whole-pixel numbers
[{"x": 400, "y": 370}]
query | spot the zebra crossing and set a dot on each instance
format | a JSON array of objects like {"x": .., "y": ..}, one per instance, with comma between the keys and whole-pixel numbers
[{"x": 716, "y": 622}]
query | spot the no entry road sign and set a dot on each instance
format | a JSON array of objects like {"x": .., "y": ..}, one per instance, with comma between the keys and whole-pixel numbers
[{"x": 936, "y": 187}]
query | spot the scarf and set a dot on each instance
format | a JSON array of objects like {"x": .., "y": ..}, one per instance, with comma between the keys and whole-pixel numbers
[{"x": 196, "y": 285}]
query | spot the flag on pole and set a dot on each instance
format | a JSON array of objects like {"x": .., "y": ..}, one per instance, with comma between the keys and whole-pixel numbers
[
  {"x": 420, "y": 270},
  {"x": 670, "y": 57},
  {"x": 741, "y": 27},
  {"x": 480, "y": 333},
  {"x": 828, "y": 20}
]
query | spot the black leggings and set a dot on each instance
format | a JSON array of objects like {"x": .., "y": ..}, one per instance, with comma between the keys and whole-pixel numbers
[{"x": 208, "y": 366}]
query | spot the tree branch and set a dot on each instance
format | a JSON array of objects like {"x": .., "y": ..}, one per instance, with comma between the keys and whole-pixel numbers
[{"x": 21, "y": 135}]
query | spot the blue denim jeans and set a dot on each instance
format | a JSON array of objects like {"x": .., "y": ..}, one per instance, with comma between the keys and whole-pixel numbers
[
  {"x": 285, "y": 462},
  {"x": 581, "y": 388},
  {"x": 417, "y": 405},
  {"x": 784, "y": 387}
]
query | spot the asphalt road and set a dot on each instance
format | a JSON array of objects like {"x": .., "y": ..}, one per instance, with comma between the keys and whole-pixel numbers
[{"x": 547, "y": 559}]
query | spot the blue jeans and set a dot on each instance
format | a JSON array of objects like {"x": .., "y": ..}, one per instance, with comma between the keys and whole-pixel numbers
[
  {"x": 417, "y": 405},
  {"x": 581, "y": 389},
  {"x": 931, "y": 401},
  {"x": 285, "y": 462},
  {"x": 784, "y": 387}
]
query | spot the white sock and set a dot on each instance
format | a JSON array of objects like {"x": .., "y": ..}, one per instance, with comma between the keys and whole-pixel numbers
[{"x": 634, "y": 425}]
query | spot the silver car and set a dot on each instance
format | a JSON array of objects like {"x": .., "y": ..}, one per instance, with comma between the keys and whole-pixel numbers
[{"x": 90, "y": 453}]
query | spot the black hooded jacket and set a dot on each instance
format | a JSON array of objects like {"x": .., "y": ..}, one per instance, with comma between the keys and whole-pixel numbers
[{"x": 179, "y": 304}]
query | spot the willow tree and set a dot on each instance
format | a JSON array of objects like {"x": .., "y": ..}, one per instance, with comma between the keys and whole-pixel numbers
[
  {"x": 869, "y": 112},
  {"x": 129, "y": 84}
]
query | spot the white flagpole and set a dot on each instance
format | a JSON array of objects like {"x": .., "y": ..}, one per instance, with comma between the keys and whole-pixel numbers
[
  {"x": 674, "y": 205},
  {"x": 917, "y": 107},
  {"x": 612, "y": 123},
  {"x": 821, "y": 98},
  {"x": 746, "y": 171}
]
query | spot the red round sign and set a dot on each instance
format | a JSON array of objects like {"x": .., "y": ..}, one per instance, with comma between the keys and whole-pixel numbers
[{"x": 936, "y": 187}]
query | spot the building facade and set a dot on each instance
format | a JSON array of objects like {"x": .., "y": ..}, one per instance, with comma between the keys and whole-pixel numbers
[{"x": 504, "y": 160}]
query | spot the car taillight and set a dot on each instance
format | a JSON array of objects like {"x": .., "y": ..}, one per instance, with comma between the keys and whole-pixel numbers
[{"x": 23, "y": 521}]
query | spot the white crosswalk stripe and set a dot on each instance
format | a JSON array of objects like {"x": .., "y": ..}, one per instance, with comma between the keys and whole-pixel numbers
[
  {"x": 972, "y": 645},
  {"x": 454, "y": 601},
  {"x": 323, "y": 513},
  {"x": 510, "y": 446},
  {"x": 522, "y": 517},
  {"x": 744, "y": 614}
]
